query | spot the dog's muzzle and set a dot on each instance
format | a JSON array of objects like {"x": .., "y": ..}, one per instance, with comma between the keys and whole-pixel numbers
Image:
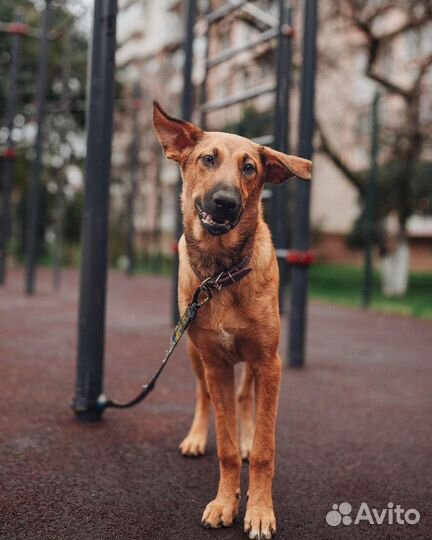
[{"x": 220, "y": 210}]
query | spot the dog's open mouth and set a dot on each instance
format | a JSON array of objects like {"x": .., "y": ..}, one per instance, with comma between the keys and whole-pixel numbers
[{"x": 215, "y": 225}]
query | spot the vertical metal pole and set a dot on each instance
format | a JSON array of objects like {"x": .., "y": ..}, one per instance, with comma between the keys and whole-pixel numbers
[
  {"x": 134, "y": 157},
  {"x": 60, "y": 195},
  {"x": 9, "y": 155},
  {"x": 203, "y": 90},
  {"x": 301, "y": 233},
  {"x": 370, "y": 204},
  {"x": 287, "y": 32},
  {"x": 33, "y": 201},
  {"x": 91, "y": 317},
  {"x": 279, "y": 200},
  {"x": 186, "y": 113}
]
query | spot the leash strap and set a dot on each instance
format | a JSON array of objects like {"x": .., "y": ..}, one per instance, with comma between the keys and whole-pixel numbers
[{"x": 217, "y": 282}]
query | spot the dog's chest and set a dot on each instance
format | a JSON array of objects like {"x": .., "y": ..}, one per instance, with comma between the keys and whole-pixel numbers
[
  {"x": 220, "y": 327},
  {"x": 226, "y": 340},
  {"x": 217, "y": 334}
]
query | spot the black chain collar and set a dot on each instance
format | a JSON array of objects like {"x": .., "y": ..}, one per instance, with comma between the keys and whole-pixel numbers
[{"x": 221, "y": 280}]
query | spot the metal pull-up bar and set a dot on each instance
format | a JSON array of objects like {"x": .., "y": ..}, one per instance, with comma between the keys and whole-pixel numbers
[
  {"x": 227, "y": 55},
  {"x": 244, "y": 96},
  {"x": 224, "y": 10}
]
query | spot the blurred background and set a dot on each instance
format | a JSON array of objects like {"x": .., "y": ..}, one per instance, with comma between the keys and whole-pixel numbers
[
  {"x": 367, "y": 50},
  {"x": 355, "y": 423}
]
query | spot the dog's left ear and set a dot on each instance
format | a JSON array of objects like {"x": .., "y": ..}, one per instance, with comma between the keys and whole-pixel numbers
[
  {"x": 175, "y": 136},
  {"x": 279, "y": 167}
]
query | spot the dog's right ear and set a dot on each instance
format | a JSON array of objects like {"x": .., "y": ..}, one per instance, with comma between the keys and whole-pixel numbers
[{"x": 175, "y": 136}]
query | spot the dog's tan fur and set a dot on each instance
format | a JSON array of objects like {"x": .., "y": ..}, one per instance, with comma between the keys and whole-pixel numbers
[{"x": 241, "y": 323}]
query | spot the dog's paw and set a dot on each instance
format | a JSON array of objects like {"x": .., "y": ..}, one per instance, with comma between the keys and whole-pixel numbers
[
  {"x": 260, "y": 522},
  {"x": 220, "y": 513},
  {"x": 193, "y": 445}
]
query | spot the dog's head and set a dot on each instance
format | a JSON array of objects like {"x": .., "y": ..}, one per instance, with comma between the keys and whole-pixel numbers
[{"x": 223, "y": 174}]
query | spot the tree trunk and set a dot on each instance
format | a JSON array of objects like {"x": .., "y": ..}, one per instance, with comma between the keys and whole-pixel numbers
[
  {"x": 395, "y": 271},
  {"x": 394, "y": 259}
]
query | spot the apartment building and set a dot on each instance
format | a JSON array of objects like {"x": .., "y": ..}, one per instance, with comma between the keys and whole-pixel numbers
[{"x": 150, "y": 51}]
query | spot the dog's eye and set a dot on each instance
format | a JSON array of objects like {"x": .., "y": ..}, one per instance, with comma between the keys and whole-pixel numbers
[
  {"x": 248, "y": 169},
  {"x": 208, "y": 159}
]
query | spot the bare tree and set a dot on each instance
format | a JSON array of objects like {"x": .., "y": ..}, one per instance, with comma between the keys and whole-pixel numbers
[{"x": 382, "y": 24}]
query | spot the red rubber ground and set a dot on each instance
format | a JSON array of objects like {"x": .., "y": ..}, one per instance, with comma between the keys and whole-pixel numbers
[{"x": 354, "y": 426}]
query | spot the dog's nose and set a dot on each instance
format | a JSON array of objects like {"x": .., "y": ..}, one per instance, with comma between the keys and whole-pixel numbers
[{"x": 226, "y": 202}]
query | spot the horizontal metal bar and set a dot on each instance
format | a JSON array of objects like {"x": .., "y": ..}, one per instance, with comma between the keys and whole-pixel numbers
[
  {"x": 264, "y": 139},
  {"x": 226, "y": 55},
  {"x": 232, "y": 100},
  {"x": 261, "y": 15},
  {"x": 224, "y": 10}
]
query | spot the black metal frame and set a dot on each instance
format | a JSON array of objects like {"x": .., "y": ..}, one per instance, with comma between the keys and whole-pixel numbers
[
  {"x": 186, "y": 114},
  {"x": 91, "y": 318},
  {"x": 134, "y": 164},
  {"x": 60, "y": 202},
  {"x": 367, "y": 285},
  {"x": 91, "y": 328},
  {"x": 301, "y": 231},
  {"x": 9, "y": 156},
  {"x": 279, "y": 199},
  {"x": 33, "y": 200}
]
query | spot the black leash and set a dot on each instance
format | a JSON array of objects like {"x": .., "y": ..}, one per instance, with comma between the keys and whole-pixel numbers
[{"x": 218, "y": 282}]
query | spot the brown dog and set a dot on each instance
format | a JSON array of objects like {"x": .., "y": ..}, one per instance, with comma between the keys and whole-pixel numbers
[{"x": 223, "y": 176}]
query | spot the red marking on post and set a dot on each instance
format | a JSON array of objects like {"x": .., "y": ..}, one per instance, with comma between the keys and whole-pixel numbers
[
  {"x": 17, "y": 28},
  {"x": 300, "y": 258},
  {"x": 9, "y": 153},
  {"x": 174, "y": 248},
  {"x": 288, "y": 31}
]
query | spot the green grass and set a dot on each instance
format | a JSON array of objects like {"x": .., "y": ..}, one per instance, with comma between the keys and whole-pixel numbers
[{"x": 342, "y": 285}]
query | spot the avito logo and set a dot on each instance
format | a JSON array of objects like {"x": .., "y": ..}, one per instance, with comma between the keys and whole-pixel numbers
[{"x": 391, "y": 515}]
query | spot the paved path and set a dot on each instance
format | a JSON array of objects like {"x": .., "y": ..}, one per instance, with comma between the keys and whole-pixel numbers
[{"x": 354, "y": 426}]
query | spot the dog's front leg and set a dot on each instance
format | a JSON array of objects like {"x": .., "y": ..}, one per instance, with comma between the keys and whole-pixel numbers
[
  {"x": 260, "y": 521},
  {"x": 224, "y": 508},
  {"x": 195, "y": 442}
]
